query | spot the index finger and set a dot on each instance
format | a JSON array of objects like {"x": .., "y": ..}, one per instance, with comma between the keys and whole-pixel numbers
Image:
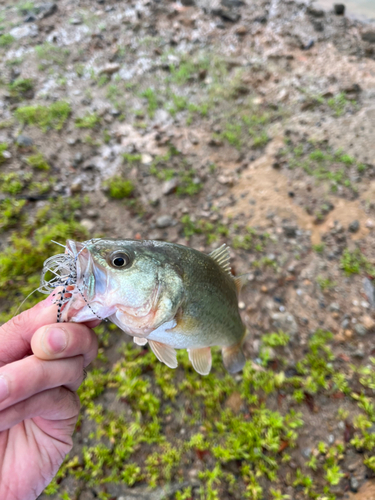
[{"x": 15, "y": 335}]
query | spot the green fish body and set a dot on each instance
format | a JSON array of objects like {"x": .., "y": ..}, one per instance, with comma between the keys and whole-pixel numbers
[{"x": 168, "y": 295}]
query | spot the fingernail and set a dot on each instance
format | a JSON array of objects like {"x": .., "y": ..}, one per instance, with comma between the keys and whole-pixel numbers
[
  {"x": 54, "y": 340},
  {"x": 4, "y": 389}
]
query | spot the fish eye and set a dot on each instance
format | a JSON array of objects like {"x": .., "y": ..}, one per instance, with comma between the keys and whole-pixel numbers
[{"x": 119, "y": 260}]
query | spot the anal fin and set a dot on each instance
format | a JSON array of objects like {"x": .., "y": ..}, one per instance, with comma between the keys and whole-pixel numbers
[
  {"x": 165, "y": 353},
  {"x": 140, "y": 341},
  {"x": 233, "y": 358},
  {"x": 201, "y": 360}
]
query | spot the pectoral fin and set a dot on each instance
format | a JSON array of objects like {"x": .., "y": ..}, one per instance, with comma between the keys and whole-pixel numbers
[
  {"x": 139, "y": 341},
  {"x": 201, "y": 359},
  {"x": 165, "y": 353},
  {"x": 233, "y": 358}
]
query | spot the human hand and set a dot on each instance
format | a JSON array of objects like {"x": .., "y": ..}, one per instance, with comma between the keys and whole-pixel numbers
[{"x": 41, "y": 366}]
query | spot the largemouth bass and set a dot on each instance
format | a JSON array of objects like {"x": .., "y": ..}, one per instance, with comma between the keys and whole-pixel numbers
[{"x": 168, "y": 295}]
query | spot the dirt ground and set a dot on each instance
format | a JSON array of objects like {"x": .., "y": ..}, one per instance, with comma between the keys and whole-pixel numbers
[{"x": 249, "y": 123}]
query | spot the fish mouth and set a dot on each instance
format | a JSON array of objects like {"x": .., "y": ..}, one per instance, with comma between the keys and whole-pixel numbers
[
  {"x": 90, "y": 286},
  {"x": 85, "y": 280}
]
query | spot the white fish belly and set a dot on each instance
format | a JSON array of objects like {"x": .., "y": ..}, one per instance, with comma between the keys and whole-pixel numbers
[{"x": 183, "y": 340}]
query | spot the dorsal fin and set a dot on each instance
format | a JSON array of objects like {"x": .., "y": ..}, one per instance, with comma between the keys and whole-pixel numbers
[
  {"x": 221, "y": 256},
  {"x": 240, "y": 281}
]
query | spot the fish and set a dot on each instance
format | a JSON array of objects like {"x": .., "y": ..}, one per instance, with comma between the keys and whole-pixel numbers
[{"x": 167, "y": 295}]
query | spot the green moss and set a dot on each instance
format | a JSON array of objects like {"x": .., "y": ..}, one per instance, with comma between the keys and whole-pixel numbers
[
  {"x": 38, "y": 161},
  {"x": 354, "y": 262},
  {"x": 11, "y": 183},
  {"x": 3, "y": 148},
  {"x": 20, "y": 87},
  {"x": 6, "y": 40},
  {"x": 10, "y": 213},
  {"x": 90, "y": 120},
  {"x": 152, "y": 101},
  {"x": 119, "y": 188},
  {"x": 53, "y": 116}
]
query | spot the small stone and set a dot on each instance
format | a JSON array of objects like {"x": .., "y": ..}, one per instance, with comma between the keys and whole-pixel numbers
[
  {"x": 334, "y": 307},
  {"x": 331, "y": 439},
  {"x": 78, "y": 158},
  {"x": 339, "y": 9},
  {"x": 306, "y": 452},
  {"x": 368, "y": 323},
  {"x": 354, "y": 226},
  {"x": 88, "y": 224},
  {"x": 6, "y": 154},
  {"x": 46, "y": 9},
  {"x": 360, "y": 329},
  {"x": 76, "y": 20},
  {"x": 71, "y": 141},
  {"x": 286, "y": 322},
  {"x": 354, "y": 484},
  {"x": 109, "y": 69},
  {"x": 93, "y": 214},
  {"x": 23, "y": 141},
  {"x": 146, "y": 159},
  {"x": 241, "y": 305},
  {"x": 76, "y": 186},
  {"x": 370, "y": 223},
  {"x": 170, "y": 186},
  {"x": 369, "y": 36},
  {"x": 241, "y": 30},
  {"x": 359, "y": 353},
  {"x": 164, "y": 221},
  {"x": 289, "y": 230},
  {"x": 30, "y": 18},
  {"x": 264, "y": 289},
  {"x": 24, "y": 31},
  {"x": 227, "y": 14}
]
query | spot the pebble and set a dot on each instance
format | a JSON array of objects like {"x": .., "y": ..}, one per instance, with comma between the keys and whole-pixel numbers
[
  {"x": 109, "y": 69},
  {"x": 354, "y": 226},
  {"x": 368, "y": 323},
  {"x": 360, "y": 329},
  {"x": 370, "y": 223},
  {"x": 24, "y": 31},
  {"x": 368, "y": 36},
  {"x": 334, "y": 307},
  {"x": 331, "y": 439},
  {"x": 289, "y": 230},
  {"x": 46, "y": 9},
  {"x": 24, "y": 141},
  {"x": 71, "y": 141},
  {"x": 354, "y": 484},
  {"x": 6, "y": 154},
  {"x": 369, "y": 291},
  {"x": 241, "y": 305},
  {"x": 241, "y": 30},
  {"x": 306, "y": 452},
  {"x": 165, "y": 221},
  {"x": 169, "y": 186},
  {"x": 76, "y": 20},
  {"x": 339, "y": 9},
  {"x": 78, "y": 158},
  {"x": 286, "y": 322},
  {"x": 146, "y": 159},
  {"x": 76, "y": 186},
  {"x": 88, "y": 224}
]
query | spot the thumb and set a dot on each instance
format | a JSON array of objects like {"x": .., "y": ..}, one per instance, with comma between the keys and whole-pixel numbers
[{"x": 15, "y": 335}]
